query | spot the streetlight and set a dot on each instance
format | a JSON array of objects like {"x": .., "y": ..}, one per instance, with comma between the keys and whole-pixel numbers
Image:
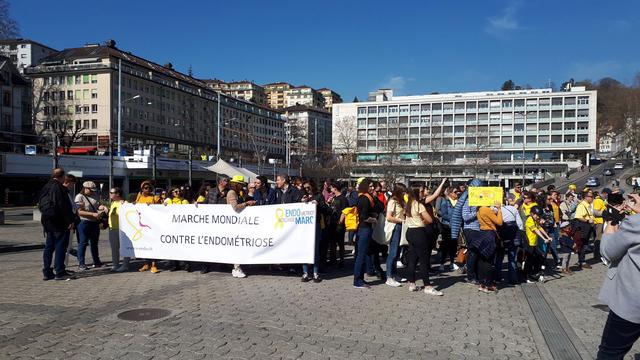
[{"x": 120, "y": 102}]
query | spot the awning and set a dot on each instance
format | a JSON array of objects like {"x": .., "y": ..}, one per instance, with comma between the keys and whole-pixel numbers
[
  {"x": 224, "y": 168},
  {"x": 77, "y": 150}
]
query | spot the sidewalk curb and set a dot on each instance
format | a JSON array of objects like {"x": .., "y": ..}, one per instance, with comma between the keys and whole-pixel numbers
[{"x": 20, "y": 248}]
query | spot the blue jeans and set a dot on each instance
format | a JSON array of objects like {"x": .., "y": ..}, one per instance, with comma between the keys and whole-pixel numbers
[
  {"x": 393, "y": 251},
  {"x": 56, "y": 244},
  {"x": 511, "y": 250},
  {"x": 88, "y": 232},
  {"x": 316, "y": 256},
  {"x": 364, "y": 236},
  {"x": 472, "y": 256}
]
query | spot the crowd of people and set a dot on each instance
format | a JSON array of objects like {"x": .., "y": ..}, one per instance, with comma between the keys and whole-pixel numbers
[
  {"x": 538, "y": 230},
  {"x": 401, "y": 225}
]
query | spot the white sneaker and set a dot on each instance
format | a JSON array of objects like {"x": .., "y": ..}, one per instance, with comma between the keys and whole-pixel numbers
[
  {"x": 393, "y": 283},
  {"x": 455, "y": 267},
  {"x": 401, "y": 279},
  {"x": 541, "y": 279},
  {"x": 429, "y": 290},
  {"x": 399, "y": 265},
  {"x": 413, "y": 287},
  {"x": 238, "y": 273},
  {"x": 441, "y": 268}
]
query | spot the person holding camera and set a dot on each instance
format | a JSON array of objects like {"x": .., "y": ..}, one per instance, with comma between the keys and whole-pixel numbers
[
  {"x": 620, "y": 250},
  {"x": 92, "y": 217}
]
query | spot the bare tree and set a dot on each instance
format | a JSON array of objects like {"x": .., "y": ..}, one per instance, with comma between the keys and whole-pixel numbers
[
  {"x": 632, "y": 122},
  {"x": 346, "y": 134},
  {"x": 8, "y": 27},
  {"x": 480, "y": 154}
]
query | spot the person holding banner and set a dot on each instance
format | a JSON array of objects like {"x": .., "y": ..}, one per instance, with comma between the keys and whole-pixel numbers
[
  {"x": 235, "y": 199},
  {"x": 176, "y": 198},
  {"x": 264, "y": 194},
  {"x": 313, "y": 196},
  {"x": 146, "y": 196},
  {"x": 115, "y": 195}
]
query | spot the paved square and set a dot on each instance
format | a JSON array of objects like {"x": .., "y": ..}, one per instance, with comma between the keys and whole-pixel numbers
[{"x": 272, "y": 315}]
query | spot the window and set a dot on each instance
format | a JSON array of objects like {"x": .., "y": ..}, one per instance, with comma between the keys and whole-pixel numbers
[
  {"x": 94, "y": 123},
  {"x": 85, "y": 124},
  {"x": 556, "y": 126},
  {"x": 94, "y": 79},
  {"x": 78, "y": 79},
  {"x": 507, "y": 103},
  {"x": 518, "y": 103},
  {"x": 94, "y": 93},
  {"x": 544, "y": 127},
  {"x": 569, "y": 113},
  {"x": 85, "y": 79},
  {"x": 45, "y": 110},
  {"x": 583, "y": 125},
  {"x": 583, "y": 138},
  {"x": 583, "y": 113},
  {"x": 436, "y": 107},
  {"x": 494, "y": 104},
  {"x": 471, "y": 105},
  {"x": 6, "y": 99},
  {"x": 85, "y": 109},
  {"x": 78, "y": 124},
  {"x": 447, "y": 106},
  {"x": 78, "y": 94},
  {"x": 94, "y": 108}
]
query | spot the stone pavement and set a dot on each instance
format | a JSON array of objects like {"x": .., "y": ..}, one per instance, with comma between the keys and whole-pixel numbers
[{"x": 272, "y": 315}]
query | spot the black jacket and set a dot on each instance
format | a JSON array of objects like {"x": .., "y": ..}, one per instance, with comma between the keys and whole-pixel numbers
[
  {"x": 292, "y": 195},
  {"x": 55, "y": 207}
]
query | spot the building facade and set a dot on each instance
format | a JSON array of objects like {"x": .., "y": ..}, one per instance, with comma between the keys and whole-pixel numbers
[
  {"x": 244, "y": 90},
  {"x": 490, "y": 134},
  {"x": 15, "y": 113},
  {"x": 304, "y": 95},
  {"x": 310, "y": 132},
  {"x": 79, "y": 89},
  {"x": 24, "y": 52},
  {"x": 276, "y": 98},
  {"x": 330, "y": 97}
]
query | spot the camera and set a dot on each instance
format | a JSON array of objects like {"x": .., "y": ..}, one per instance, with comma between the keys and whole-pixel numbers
[{"x": 611, "y": 214}]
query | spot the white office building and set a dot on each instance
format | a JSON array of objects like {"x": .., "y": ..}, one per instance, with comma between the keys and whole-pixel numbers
[
  {"x": 462, "y": 135},
  {"x": 24, "y": 52}
]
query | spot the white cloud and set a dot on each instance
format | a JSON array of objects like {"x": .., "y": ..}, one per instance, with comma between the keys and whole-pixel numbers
[
  {"x": 505, "y": 22},
  {"x": 397, "y": 83}
]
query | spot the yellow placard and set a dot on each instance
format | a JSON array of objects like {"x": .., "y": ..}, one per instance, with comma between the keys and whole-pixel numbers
[{"x": 485, "y": 195}]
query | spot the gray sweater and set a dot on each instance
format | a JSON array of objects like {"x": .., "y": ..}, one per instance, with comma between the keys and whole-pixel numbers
[{"x": 621, "y": 287}]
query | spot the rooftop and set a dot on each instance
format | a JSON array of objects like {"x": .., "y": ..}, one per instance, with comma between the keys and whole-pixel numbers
[{"x": 19, "y": 41}]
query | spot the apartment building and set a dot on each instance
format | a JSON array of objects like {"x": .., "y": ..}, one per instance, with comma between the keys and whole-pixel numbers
[
  {"x": 80, "y": 88},
  {"x": 244, "y": 90},
  {"x": 24, "y": 52},
  {"x": 276, "y": 94},
  {"x": 304, "y": 95},
  {"x": 491, "y": 134},
  {"x": 15, "y": 114},
  {"x": 310, "y": 132},
  {"x": 330, "y": 97}
]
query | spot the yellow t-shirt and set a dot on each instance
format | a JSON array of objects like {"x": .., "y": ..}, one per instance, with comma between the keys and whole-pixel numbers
[
  {"x": 598, "y": 205},
  {"x": 147, "y": 199},
  {"x": 114, "y": 215},
  {"x": 531, "y": 226},
  {"x": 527, "y": 208},
  {"x": 414, "y": 220},
  {"x": 201, "y": 199},
  {"x": 176, "y": 201},
  {"x": 584, "y": 211}
]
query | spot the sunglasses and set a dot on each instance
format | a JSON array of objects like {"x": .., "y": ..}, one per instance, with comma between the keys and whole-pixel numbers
[{"x": 112, "y": 192}]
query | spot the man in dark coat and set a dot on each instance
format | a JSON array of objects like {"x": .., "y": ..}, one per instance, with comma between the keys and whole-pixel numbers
[
  {"x": 57, "y": 219},
  {"x": 286, "y": 193}
]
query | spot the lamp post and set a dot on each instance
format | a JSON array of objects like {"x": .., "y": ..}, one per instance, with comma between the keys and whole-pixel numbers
[{"x": 218, "y": 128}]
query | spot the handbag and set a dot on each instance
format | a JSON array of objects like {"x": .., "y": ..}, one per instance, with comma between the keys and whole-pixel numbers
[
  {"x": 378, "y": 234},
  {"x": 461, "y": 256},
  {"x": 403, "y": 236},
  {"x": 389, "y": 227},
  {"x": 103, "y": 221}
]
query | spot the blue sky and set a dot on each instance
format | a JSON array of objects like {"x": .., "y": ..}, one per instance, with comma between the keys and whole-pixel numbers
[{"x": 354, "y": 47}]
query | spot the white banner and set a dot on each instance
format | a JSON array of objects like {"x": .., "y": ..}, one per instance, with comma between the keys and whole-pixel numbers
[{"x": 271, "y": 234}]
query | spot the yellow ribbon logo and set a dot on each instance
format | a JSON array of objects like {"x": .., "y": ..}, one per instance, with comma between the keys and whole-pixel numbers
[
  {"x": 138, "y": 234},
  {"x": 279, "y": 216}
]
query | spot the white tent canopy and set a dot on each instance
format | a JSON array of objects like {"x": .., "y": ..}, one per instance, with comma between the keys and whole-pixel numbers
[{"x": 224, "y": 168}]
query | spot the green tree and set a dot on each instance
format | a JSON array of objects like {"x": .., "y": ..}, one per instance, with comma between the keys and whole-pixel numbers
[{"x": 508, "y": 85}]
